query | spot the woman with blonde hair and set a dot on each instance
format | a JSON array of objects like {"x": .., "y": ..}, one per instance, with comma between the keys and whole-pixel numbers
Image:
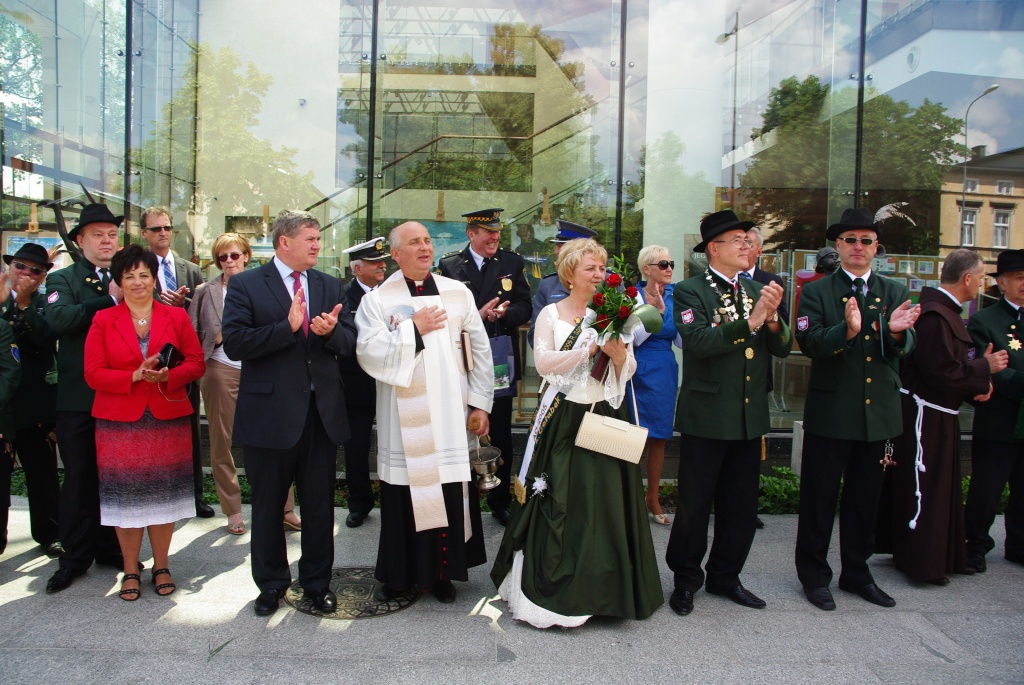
[
  {"x": 231, "y": 252},
  {"x": 578, "y": 543},
  {"x": 656, "y": 381}
]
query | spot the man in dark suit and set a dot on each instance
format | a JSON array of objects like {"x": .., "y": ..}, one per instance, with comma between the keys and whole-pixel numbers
[
  {"x": 35, "y": 404},
  {"x": 550, "y": 288},
  {"x": 74, "y": 295},
  {"x": 177, "y": 280},
  {"x": 730, "y": 330},
  {"x": 497, "y": 279},
  {"x": 290, "y": 414},
  {"x": 368, "y": 266},
  {"x": 855, "y": 327},
  {"x": 997, "y": 452}
]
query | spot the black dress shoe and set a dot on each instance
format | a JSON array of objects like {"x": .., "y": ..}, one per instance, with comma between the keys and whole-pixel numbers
[
  {"x": 444, "y": 591},
  {"x": 355, "y": 519},
  {"x": 871, "y": 593},
  {"x": 267, "y": 602},
  {"x": 384, "y": 594},
  {"x": 976, "y": 563},
  {"x": 54, "y": 549},
  {"x": 681, "y": 602},
  {"x": 740, "y": 595},
  {"x": 204, "y": 510},
  {"x": 759, "y": 524},
  {"x": 61, "y": 579},
  {"x": 111, "y": 562},
  {"x": 820, "y": 597},
  {"x": 939, "y": 581},
  {"x": 502, "y": 515},
  {"x": 323, "y": 599}
]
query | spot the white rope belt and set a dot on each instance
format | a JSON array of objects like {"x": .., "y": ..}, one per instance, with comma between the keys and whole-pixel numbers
[{"x": 919, "y": 457}]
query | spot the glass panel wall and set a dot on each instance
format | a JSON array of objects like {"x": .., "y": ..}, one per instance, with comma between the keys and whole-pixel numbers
[{"x": 635, "y": 117}]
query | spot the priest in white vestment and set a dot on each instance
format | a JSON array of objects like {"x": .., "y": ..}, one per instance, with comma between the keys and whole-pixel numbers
[{"x": 422, "y": 339}]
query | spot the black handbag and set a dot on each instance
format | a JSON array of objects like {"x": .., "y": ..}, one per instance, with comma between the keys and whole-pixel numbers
[{"x": 169, "y": 357}]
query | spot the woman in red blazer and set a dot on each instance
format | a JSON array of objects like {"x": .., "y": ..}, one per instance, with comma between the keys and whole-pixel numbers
[{"x": 143, "y": 437}]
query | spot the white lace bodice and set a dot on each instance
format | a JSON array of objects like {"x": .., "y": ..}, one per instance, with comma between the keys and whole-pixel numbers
[{"x": 570, "y": 370}]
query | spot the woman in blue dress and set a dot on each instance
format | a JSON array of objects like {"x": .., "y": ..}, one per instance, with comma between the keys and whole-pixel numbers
[{"x": 656, "y": 380}]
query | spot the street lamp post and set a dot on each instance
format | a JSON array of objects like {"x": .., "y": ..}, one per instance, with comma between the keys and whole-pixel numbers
[
  {"x": 722, "y": 38},
  {"x": 963, "y": 189}
]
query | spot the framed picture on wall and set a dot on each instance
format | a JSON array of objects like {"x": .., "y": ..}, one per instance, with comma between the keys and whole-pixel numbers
[
  {"x": 916, "y": 284},
  {"x": 13, "y": 240},
  {"x": 925, "y": 267},
  {"x": 906, "y": 266}
]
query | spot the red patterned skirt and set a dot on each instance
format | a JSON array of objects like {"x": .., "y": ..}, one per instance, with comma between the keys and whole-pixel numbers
[{"x": 145, "y": 470}]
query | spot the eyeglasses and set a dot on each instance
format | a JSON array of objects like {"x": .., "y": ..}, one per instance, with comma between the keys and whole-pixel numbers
[
  {"x": 663, "y": 264},
  {"x": 737, "y": 242},
  {"x": 862, "y": 241},
  {"x": 233, "y": 256},
  {"x": 158, "y": 229},
  {"x": 22, "y": 266}
]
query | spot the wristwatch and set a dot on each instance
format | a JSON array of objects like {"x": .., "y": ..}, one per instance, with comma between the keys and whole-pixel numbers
[{"x": 775, "y": 317}]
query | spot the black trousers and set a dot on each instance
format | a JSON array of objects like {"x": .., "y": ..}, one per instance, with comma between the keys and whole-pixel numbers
[
  {"x": 311, "y": 464},
  {"x": 357, "y": 458},
  {"x": 501, "y": 437},
  {"x": 995, "y": 464},
  {"x": 197, "y": 457},
  {"x": 724, "y": 473},
  {"x": 83, "y": 537},
  {"x": 826, "y": 462},
  {"x": 38, "y": 457}
]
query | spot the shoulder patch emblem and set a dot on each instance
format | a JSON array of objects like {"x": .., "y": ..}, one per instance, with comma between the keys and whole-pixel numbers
[
  {"x": 971, "y": 352},
  {"x": 802, "y": 323},
  {"x": 687, "y": 316},
  {"x": 53, "y": 297},
  {"x": 15, "y": 353}
]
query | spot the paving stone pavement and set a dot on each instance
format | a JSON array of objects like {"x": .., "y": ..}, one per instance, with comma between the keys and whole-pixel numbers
[{"x": 971, "y": 631}]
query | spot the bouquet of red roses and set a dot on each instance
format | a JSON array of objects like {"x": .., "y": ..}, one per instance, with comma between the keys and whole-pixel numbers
[{"x": 614, "y": 313}]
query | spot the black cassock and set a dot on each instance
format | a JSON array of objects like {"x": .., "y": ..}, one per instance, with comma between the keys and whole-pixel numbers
[{"x": 945, "y": 369}]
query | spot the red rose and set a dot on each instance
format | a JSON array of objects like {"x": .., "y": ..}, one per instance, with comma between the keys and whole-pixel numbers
[
  {"x": 614, "y": 280},
  {"x": 603, "y": 321},
  {"x": 598, "y": 299},
  {"x": 631, "y": 291},
  {"x": 624, "y": 312}
]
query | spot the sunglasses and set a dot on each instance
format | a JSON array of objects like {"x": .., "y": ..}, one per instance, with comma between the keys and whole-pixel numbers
[
  {"x": 159, "y": 229},
  {"x": 664, "y": 264},
  {"x": 22, "y": 266},
  {"x": 862, "y": 241},
  {"x": 233, "y": 256}
]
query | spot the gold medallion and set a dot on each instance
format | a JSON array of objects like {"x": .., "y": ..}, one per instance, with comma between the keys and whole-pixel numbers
[
  {"x": 506, "y": 283},
  {"x": 749, "y": 353}
]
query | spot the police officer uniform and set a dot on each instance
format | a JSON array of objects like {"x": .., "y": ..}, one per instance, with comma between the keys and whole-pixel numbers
[
  {"x": 551, "y": 288},
  {"x": 502, "y": 276},
  {"x": 360, "y": 399}
]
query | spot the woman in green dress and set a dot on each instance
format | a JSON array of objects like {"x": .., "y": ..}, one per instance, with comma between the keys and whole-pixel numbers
[{"x": 578, "y": 543}]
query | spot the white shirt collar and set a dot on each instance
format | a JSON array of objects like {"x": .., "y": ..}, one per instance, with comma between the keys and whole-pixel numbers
[
  {"x": 1015, "y": 307},
  {"x": 723, "y": 276},
  {"x": 286, "y": 271},
  {"x": 478, "y": 259},
  {"x": 866, "y": 277},
  {"x": 950, "y": 296},
  {"x": 365, "y": 287}
]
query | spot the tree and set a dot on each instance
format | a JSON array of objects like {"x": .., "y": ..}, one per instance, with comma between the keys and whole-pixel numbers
[
  {"x": 256, "y": 173},
  {"x": 807, "y": 165}
]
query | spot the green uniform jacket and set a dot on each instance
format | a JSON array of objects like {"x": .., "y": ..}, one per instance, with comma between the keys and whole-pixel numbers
[
  {"x": 73, "y": 296},
  {"x": 996, "y": 419},
  {"x": 36, "y": 400},
  {"x": 854, "y": 390},
  {"x": 10, "y": 377},
  {"x": 723, "y": 394}
]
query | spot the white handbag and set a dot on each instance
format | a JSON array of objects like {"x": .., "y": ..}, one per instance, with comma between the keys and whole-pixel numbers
[{"x": 611, "y": 436}]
